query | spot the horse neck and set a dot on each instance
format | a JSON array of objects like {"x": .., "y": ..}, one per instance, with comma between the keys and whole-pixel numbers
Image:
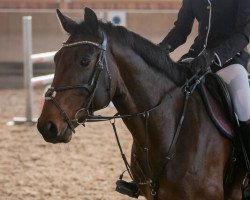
[{"x": 139, "y": 86}]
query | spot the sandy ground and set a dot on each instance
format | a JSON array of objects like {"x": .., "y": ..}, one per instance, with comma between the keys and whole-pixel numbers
[{"x": 86, "y": 168}]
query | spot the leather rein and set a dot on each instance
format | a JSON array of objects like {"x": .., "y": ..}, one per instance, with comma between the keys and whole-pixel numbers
[{"x": 152, "y": 179}]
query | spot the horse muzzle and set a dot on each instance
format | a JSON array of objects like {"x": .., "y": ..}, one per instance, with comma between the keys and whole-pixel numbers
[{"x": 52, "y": 134}]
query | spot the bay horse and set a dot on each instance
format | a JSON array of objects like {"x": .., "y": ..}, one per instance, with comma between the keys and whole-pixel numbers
[{"x": 100, "y": 63}]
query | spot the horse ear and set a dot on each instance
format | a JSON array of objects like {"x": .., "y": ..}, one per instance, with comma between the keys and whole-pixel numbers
[
  {"x": 68, "y": 24},
  {"x": 91, "y": 20}
]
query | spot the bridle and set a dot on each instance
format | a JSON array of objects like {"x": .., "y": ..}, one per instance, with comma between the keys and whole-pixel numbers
[{"x": 90, "y": 87}]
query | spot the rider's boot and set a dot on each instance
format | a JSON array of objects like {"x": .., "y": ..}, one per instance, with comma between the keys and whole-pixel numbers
[{"x": 245, "y": 133}]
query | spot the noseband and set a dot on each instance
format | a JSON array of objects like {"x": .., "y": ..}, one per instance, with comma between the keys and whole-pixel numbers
[{"x": 90, "y": 87}]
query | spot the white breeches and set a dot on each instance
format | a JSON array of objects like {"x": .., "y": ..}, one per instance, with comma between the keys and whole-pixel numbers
[{"x": 236, "y": 79}]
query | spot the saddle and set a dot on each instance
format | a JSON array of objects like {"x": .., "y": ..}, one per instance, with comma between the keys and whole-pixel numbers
[{"x": 218, "y": 104}]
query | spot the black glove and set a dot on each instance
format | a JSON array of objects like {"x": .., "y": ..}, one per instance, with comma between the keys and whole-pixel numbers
[{"x": 202, "y": 62}]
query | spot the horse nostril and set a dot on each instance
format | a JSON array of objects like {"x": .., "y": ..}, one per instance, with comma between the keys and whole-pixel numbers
[{"x": 50, "y": 130}]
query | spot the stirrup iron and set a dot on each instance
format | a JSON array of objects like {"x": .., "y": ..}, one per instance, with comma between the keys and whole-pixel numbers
[
  {"x": 245, "y": 188},
  {"x": 127, "y": 188}
]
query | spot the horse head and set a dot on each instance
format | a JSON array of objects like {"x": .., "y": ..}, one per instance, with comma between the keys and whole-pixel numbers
[{"x": 82, "y": 81}]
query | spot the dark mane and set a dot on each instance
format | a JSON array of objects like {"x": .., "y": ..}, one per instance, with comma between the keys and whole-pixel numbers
[{"x": 151, "y": 53}]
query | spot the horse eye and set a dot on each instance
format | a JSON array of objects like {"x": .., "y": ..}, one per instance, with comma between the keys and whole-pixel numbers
[{"x": 85, "y": 62}]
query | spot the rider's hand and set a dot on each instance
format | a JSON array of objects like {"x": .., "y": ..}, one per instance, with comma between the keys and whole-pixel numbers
[{"x": 202, "y": 62}]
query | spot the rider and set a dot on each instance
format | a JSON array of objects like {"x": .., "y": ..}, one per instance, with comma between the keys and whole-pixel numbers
[{"x": 223, "y": 35}]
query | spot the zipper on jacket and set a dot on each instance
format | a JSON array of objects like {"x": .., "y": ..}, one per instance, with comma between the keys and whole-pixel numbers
[{"x": 209, "y": 26}]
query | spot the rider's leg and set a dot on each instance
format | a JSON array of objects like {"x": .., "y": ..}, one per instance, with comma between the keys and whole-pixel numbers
[{"x": 236, "y": 78}]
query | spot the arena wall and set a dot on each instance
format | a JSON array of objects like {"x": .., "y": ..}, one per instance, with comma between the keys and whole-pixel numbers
[
  {"x": 48, "y": 36},
  {"x": 95, "y": 4}
]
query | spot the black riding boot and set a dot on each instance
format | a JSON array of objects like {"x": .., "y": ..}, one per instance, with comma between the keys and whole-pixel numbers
[{"x": 245, "y": 133}]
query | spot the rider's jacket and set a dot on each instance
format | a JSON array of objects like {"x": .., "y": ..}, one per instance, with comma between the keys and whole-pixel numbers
[{"x": 224, "y": 28}]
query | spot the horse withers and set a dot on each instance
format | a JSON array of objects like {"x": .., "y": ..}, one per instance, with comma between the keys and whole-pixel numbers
[{"x": 171, "y": 158}]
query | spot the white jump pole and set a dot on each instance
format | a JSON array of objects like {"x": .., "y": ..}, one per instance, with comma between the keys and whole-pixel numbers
[
  {"x": 42, "y": 80},
  {"x": 29, "y": 81},
  {"x": 28, "y": 67},
  {"x": 27, "y": 72},
  {"x": 43, "y": 57}
]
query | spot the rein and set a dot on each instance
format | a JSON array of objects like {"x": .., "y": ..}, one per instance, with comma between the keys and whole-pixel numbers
[
  {"x": 188, "y": 89},
  {"x": 91, "y": 86}
]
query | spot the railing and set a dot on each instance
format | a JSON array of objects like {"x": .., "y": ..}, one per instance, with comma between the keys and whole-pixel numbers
[{"x": 29, "y": 81}]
